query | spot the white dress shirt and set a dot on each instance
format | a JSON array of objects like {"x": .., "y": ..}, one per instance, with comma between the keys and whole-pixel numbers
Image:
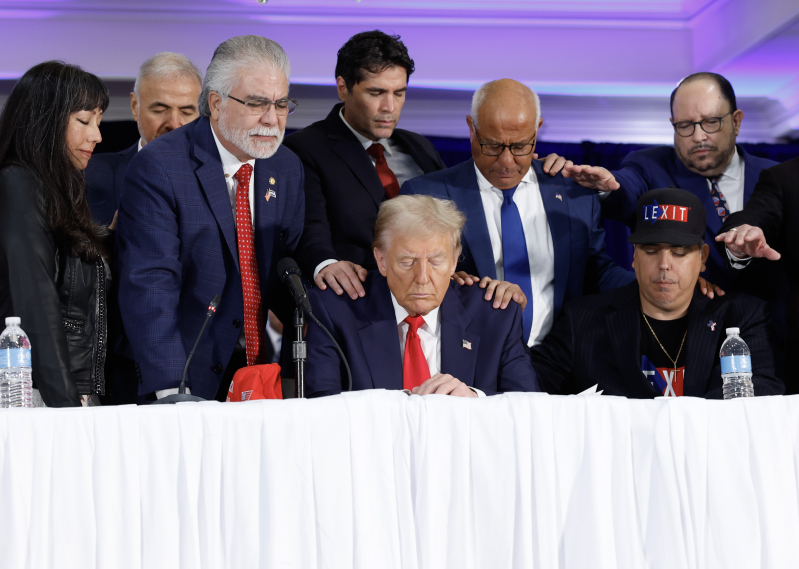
[
  {"x": 731, "y": 184},
  {"x": 402, "y": 164},
  {"x": 538, "y": 239},
  {"x": 429, "y": 336}
]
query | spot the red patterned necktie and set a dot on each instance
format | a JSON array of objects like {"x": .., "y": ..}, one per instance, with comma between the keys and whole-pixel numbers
[
  {"x": 414, "y": 366},
  {"x": 387, "y": 177},
  {"x": 254, "y": 329}
]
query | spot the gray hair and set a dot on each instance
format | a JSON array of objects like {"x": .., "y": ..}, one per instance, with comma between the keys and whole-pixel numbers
[
  {"x": 167, "y": 65},
  {"x": 222, "y": 75},
  {"x": 421, "y": 215},
  {"x": 481, "y": 95}
]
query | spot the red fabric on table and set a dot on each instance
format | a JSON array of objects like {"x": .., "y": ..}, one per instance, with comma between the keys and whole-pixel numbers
[{"x": 256, "y": 382}]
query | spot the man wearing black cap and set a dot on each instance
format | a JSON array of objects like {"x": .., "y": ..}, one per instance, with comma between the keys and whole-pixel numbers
[{"x": 658, "y": 335}]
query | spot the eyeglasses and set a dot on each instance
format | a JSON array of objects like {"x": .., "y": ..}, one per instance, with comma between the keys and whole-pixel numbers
[
  {"x": 709, "y": 125},
  {"x": 495, "y": 149},
  {"x": 283, "y": 107}
]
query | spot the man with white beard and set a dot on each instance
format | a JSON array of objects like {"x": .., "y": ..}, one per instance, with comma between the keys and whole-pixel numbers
[{"x": 208, "y": 210}]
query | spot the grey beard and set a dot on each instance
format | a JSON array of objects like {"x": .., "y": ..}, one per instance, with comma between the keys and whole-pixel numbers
[{"x": 243, "y": 140}]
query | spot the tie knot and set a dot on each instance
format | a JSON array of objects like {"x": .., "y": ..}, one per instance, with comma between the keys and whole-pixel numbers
[
  {"x": 507, "y": 195},
  {"x": 414, "y": 322},
  {"x": 376, "y": 150},
  {"x": 243, "y": 175},
  {"x": 714, "y": 179}
]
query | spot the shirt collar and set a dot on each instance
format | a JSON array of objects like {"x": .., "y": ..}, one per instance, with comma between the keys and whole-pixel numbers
[
  {"x": 140, "y": 146},
  {"x": 365, "y": 142},
  {"x": 430, "y": 319},
  {"x": 485, "y": 185},
  {"x": 230, "y": 164},
  {"x": 736, "y": 165}
]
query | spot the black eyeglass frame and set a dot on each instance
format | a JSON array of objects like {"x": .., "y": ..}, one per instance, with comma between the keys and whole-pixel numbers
[
  {"x": 269, "y": 104},
  {"x": 482, "y": 144},
  {"x": 685, "y": 124}
]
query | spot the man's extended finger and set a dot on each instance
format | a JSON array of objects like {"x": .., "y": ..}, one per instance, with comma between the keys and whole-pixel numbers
[
  {"x": 319, "y": 281},
  {"x": 484, "y": 281}
]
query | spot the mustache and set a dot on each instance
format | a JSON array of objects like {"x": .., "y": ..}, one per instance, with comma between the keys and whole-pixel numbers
[
  {"x": 703, "y": 146},
  {"x": 664, "y": 278},
  {"x": 265, "y": 131},
  {"x": 382, "y": 118}
]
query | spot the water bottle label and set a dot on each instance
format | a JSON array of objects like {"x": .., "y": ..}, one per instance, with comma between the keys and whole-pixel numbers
[
  {"x": 15, "y": 357},
  {"x": 736, "y": 364}
]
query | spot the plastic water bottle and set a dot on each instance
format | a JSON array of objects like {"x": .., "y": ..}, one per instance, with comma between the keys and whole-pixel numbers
[
  {"x": 15, "y": 366},
  {"x": 736, "y": 367}
]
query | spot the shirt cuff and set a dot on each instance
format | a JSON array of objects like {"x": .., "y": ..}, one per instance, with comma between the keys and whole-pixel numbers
[
  {"x": 735, "y": 262},
  {"x": 602, "y": 195},
  {"x": 164, "y": 392},
  {"x": 477, "y": 391},
  {"x": 322, "y": 265}
]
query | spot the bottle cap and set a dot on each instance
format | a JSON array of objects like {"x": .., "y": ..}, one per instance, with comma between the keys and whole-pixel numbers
[
  {"x": 733, "y": 331},
  {"x": 13, "y": 321}
]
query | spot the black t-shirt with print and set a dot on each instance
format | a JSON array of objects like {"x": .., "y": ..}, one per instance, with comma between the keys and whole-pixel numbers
[{"x": 657, "y": 367}]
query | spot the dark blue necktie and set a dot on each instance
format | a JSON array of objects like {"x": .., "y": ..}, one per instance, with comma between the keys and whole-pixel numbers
[
  {"x": 719, "y": 201},
  {"x": 514, "y": 255}
]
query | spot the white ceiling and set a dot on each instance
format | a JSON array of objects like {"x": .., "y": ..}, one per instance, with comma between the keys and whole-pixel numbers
[{"x": 606, "y": 68}]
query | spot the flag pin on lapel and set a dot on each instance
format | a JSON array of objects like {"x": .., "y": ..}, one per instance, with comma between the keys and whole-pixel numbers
[
  {"x": 270, "y": 194},
  {"x": 558, "y": 196},
  {"x": 467, "y": 345},
  {"x": 711, "y": 325}
]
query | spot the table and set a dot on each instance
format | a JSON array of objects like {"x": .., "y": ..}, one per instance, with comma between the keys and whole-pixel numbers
[{"x": 378, "y": 479}]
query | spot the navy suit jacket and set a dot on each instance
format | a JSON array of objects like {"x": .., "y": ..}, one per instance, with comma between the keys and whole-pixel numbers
[
  {"x": 343, "y": 191},
  {"x": 660, "y": 167},
  {"x": 597, "y": 340},
  {"x": 578, "y": 240},
  {"x": 177, "y": 249},
  {"x": 366, "y": 330},
  {"x": 105, "y": 177}
]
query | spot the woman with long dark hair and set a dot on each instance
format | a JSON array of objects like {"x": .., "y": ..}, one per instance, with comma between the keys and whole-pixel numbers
[{"x": 53, "y": 271}]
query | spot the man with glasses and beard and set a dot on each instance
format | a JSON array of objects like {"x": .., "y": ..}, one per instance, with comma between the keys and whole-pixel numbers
[
  {"x": 705, "y": 161},
  {"x": 207, "y": 210}
]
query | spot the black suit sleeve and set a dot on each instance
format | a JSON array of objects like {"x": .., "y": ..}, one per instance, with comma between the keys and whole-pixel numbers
[
  {"x": 763, "y": 210},
  {"x": 553, "y": 359},
  {"x": 27, "y": 281},
  {"x": 316, "y": 243}
]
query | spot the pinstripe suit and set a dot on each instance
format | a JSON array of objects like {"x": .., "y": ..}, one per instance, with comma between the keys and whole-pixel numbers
[
  {"x": 177, "y": 249},
  {"x": 596, "y": 340}
]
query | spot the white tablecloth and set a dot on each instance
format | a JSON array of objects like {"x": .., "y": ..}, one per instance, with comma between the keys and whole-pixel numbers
[{"x": 378, "y": 480}]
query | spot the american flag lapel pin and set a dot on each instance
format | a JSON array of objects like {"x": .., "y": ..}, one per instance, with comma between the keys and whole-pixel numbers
[
  {"x": 467, "y": 345},
  {"x": 711, "y": 325},
  {"x": 270, "y": 194},
  {"x": 558, "y": 196}
]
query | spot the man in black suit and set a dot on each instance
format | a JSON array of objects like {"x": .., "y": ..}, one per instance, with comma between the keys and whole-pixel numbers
[
  {"x": 658, "y": 335},
  {"x": 355, "y": 159},
  {"x": 164, "y": 98},
  {"x": 767, "y": 219}
]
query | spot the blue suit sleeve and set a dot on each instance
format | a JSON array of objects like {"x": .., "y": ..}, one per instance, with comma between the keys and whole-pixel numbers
[
  {"x": 150, "y": 271},
  {"x": 620, "y": 204},
  {"x": 516, "y": 372},
  {"x": 324, "y": 370},
  {"x": 601, "y": 273}
]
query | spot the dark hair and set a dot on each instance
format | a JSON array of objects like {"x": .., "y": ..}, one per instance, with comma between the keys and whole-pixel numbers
[
  {"x": 33, "y": 134},
  {"x": 724, "y": 86},
  {"x": 373, "y": 52}
]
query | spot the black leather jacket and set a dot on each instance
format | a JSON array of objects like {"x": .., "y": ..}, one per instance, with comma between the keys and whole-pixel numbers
[{"x": 60, "y": 299}]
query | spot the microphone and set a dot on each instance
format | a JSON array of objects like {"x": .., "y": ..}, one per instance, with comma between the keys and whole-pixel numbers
[
  {"x": 181, "y": 395},
  {"x": 290, "y": 274}
]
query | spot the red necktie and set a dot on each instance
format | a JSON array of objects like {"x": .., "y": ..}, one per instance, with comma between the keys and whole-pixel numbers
[
  {"x": 387, "y": 177},
  {"x": 414, "y": 366},
  {"x": 254, "y": 329}
]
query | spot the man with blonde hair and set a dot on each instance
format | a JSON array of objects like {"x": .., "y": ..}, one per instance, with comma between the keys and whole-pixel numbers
[{"x": 416, "y": 328}]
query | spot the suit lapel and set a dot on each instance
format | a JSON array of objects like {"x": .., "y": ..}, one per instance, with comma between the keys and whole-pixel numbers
[
  {"x": 557, "y": 210},
  {"x": 457, "y": 360},
  {"x": 462, "y": 188},
  {"x": 380, "y": 339},
  {"x": 125, "y": 157},
  {"x": 697, "y": 185},
  {"x": 351, "y": 152},
  {"x": 267, "y": 212},
  {"x": 751, "y": 174},
  {"x": 212, "y": 181},
  {"x": 624, "y": 332},
  {"x": 700, "y": 342},
  {"x": 422, "y": 158}
]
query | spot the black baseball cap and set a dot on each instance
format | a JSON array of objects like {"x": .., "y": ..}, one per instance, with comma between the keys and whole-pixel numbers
[{"x": 669, "y": 215}]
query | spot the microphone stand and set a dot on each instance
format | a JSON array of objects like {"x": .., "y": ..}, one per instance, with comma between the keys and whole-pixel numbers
[{"x": 299, "y": 351}]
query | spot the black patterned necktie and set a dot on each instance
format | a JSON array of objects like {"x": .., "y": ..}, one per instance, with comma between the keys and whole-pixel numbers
[{"x": 718, "y": 199}]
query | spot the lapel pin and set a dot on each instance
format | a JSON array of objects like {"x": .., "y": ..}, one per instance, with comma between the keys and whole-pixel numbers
[
  {"x": 711, "y": 325},
  {"x": 271, "y": 181},
  {"x": 467, "y": 345},
  {"x": 270, "y": 194},
  {"x": 558, "y": 196}
]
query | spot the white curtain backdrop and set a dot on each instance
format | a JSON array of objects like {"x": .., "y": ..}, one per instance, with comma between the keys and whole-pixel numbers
[{"x": 381, "y": 480}]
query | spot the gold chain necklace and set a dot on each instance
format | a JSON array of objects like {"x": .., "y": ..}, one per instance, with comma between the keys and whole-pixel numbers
[{"x": 673, "y": 361}]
